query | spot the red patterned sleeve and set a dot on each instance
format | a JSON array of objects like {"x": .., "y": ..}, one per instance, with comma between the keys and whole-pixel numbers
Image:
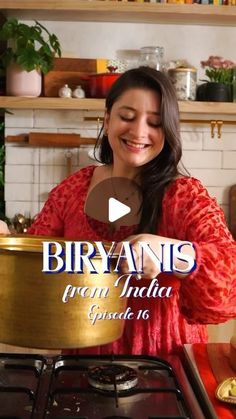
[
  {"x": 63, "y": 205},
  {"x": 49, "y": 221},
  {"x": 208, "y": 295}
]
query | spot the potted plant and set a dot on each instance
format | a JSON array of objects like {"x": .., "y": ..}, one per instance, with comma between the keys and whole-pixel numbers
[
  {"x": 30, "y": 52},
  {"x": 220, "y": 77}
]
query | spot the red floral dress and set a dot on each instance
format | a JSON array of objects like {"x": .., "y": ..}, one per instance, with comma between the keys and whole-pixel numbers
[{"x": 207, "y": 295}]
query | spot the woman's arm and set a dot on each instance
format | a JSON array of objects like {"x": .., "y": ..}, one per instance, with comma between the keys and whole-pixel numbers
[{"x": 208, "y": 294}]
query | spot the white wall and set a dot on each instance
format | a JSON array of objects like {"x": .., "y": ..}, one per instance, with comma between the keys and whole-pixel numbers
[{"x": 32, "y": 172}]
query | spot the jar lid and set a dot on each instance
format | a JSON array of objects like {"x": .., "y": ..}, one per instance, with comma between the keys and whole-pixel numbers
[
  {"x": 150, "y": 49},
  {"x": 178, "y": 69}
]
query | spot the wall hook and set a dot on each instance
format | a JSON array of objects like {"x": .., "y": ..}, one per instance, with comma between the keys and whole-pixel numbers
[
  {"x": 213, "y": 125},
  {"x": 219, "y": 128}
]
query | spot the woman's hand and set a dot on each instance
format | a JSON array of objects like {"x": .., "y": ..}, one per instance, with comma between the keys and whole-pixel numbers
[
  {"x": 151, "y": 268},
  {"x": 3, "y": 228}
]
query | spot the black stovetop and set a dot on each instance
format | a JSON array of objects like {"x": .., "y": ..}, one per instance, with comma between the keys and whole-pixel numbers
[{"x": 38, "y": 387}]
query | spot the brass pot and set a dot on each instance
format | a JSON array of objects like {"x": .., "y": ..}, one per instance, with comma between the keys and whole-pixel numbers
[{"x": 32, "y": 313}]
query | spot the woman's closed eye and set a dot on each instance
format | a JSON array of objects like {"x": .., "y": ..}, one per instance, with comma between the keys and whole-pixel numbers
[
  {"x": 127, "y": 118},
  {"x": 155, "y": 124},
  {"x": 130, "y": 118}
]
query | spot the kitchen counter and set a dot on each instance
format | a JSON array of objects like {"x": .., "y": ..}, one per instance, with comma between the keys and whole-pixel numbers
[{"x": 207, "y": 366}]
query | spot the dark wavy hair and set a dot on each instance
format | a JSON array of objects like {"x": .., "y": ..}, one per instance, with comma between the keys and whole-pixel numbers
[{"x": 157, "y": 174}]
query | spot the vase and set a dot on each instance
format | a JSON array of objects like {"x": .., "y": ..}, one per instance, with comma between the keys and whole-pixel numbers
[
  {"x": 23, "y": 83},
  {"x": 218, "y": 92}
]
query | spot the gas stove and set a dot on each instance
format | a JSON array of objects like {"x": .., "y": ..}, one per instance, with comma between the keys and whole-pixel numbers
[{"x": 95, "y": 387}]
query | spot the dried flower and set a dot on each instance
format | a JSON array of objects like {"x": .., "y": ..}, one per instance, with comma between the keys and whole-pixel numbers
[{"x": 218, "y": 69}]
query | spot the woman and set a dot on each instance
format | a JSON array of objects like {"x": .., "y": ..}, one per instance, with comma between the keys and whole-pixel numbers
[{"x": 140, "y": 141}]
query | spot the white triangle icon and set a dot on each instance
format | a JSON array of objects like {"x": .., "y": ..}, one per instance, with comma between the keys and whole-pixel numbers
[{"x": 116, "y": 209}]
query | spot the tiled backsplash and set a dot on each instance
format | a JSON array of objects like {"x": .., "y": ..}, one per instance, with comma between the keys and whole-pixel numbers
[{"x": 31, "y": 172}]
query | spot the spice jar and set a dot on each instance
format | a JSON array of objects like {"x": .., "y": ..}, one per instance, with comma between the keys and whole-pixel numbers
[
  {"x": 185, "y": 82},
  {"x": 151, "y": 57}
]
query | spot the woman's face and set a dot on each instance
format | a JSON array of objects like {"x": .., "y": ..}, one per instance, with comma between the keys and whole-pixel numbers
[{"x": 134, "y": 128}]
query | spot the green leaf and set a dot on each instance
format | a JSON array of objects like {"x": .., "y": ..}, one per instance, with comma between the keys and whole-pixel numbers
[
  {"x": 29, "y": 59},
  {"x": 30, "y": 46},
  {"x": 1, "y": 178}
]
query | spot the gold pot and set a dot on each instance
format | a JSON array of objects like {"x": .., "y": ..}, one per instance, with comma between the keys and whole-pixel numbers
[{"x": 32, "y": 313}]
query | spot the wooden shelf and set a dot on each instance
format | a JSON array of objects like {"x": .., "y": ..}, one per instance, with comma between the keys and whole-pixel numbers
[
  {"x": 189, "y": 110},
  {"x": 197, "y": 111},
  {"x": 13, "y": 102},
  {"x": 118, "y": 11}
]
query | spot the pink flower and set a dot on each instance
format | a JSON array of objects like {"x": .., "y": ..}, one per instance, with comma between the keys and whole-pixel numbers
[
  {"x": 215, "y": 61},
  {"x": 218, "y": 69}
]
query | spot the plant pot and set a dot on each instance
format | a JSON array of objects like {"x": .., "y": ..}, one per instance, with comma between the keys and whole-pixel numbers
[
  {"x": 218, "y": 92},
  {"x": 23, "y": 83},
  {"x": 201, "y": 92}
]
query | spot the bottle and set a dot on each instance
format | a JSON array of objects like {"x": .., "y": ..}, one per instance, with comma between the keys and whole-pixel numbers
[
  {"x": 151, "y": 57},
  {"x": 78, "y": 93},
  {"x": 65, "y": 91}
]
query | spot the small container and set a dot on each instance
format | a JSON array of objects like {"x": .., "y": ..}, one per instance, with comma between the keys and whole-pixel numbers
[
  {"x": 78, "y": 93},
  {"x": 151, "y": 57},
  {"x": 185, "y": 82},
  {"x": 65, "y": 91}
]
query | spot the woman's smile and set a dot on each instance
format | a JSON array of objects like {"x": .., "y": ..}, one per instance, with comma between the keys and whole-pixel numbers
[{"x": 135, "y": 146}]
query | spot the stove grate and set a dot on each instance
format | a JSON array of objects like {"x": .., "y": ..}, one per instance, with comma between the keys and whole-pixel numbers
[
  {"x": 59, "y": 388},
  {"x": 70, "y": 380},
  {"x": 19, "y": 383},
  {"x": 11, "y": 389}
]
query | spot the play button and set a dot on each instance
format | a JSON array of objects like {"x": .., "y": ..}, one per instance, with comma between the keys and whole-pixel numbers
[
  {"x": 117, "y": 210},
  {"x": 115, "y": 201}
]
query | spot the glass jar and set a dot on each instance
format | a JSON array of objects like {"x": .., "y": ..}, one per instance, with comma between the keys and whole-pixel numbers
[
  {"x": 185, "y": 82},
  {"x": 151, "y": 57}
]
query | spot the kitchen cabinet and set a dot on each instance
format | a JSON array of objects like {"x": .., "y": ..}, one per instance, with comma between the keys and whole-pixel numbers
[{"x": 118, "y": 11}]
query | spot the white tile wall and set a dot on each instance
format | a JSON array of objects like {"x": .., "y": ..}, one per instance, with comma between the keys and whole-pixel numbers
[{"x": 229, "y": 159}]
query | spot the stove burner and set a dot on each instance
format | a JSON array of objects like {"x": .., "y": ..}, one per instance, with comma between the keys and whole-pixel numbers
[{"x": 112, "y": 377}]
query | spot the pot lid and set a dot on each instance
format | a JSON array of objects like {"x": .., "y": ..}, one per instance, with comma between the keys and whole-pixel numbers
[
  {"x": 26, "y": 243},
  {"x": 177, "y": 69},
  {"x": 31, "y": 243}
]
